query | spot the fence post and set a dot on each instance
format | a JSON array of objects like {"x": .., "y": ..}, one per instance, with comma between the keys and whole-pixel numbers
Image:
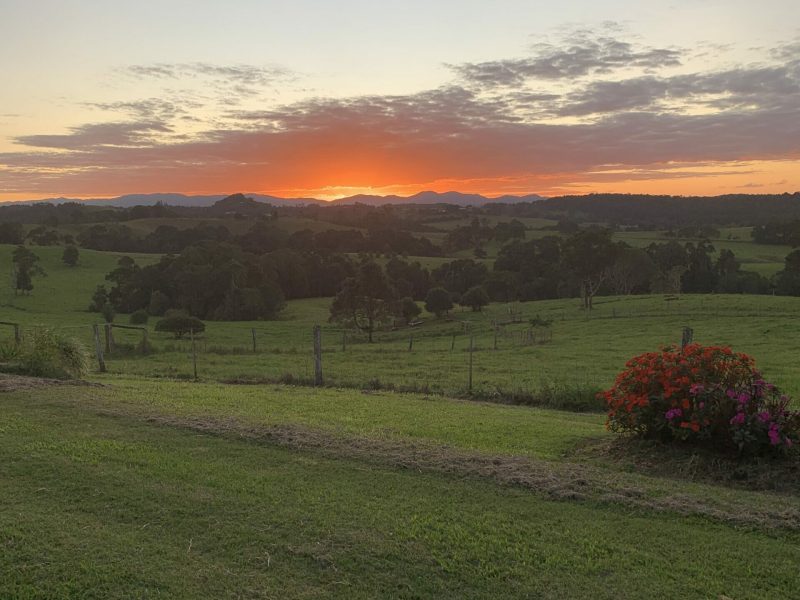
[
  {"x": 344, "y": 340},
  {"x": 686, "y": 338},
  {"x": 410, "y": 342},
  {"x": 471, "y": 348},
  {"x": 194, "y": 353},
  {"x": 107, "y": 334},
  {"x": 98, "y": 348},
  {"x": 253, "y": 332},
  {"x": 317, "y": 355}
]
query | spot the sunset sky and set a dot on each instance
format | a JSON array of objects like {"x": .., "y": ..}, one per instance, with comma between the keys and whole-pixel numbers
[{"x": 327, "y": 99}]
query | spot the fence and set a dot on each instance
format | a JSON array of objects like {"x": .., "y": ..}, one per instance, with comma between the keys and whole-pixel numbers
[{"x": 495, "y": 360}]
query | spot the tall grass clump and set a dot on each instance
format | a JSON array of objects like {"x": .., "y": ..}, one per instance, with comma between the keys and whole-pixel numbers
[{"x": 45, "y": 353}]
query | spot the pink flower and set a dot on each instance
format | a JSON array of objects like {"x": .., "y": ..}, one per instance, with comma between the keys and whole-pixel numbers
[
  {"x": 764, "y": 416},
  {"x": 696, "y": 388},
  {"x": 738, "y": 419},
  {"x": 673, "y": 413},
  {"x": 774, "y": 436}
]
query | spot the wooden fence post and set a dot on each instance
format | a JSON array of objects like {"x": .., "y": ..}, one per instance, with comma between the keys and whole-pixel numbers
[
  {"x": 17, "y": 334},
  {"x": 107, "y": 334},
  {"x": 98, "y": 348},
  {"x": 344, "y": 340},
  {"x": 194, "y": 353},
  {"x": 471, "y": 348},
  {"x": 253, "y": 333},
  {"x": 410, "y": 342},
  {"x": 318, "y": 355},
  {"x": 686, "y": 338}
]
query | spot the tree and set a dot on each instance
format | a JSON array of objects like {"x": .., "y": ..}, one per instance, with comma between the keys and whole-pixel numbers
[
  {"x": 438, "y": 301},
  {"x": 365, "y": 299},
  {"x": 70, "y": 255},
  {"x": 108, "y": 312},
  {"x": 588, "y": 255},
  {"x": 475, "y": 297},
  {"x": 159, "y": 303},
  {"x": 99, "y": 299},
  {"x": 25, "y": 267},
  {"x": 179, "y": 323},
  {"x": 633, "y": 269},
  {"x": 408, "y": 309}
]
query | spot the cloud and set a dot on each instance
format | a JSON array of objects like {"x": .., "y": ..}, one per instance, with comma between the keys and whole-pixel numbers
[
  {"x": 614, "y": 125},
  {"x": 579, "y": 54},
  {"x": 96, "y": 136},
  {"x": 241, "y": 74}
]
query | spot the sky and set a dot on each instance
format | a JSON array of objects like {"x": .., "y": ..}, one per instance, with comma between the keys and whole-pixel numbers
[{"x": 326, "y": 99}]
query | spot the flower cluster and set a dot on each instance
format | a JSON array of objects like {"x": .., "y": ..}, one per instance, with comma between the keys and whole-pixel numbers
[{"x": 701, "y": 394}]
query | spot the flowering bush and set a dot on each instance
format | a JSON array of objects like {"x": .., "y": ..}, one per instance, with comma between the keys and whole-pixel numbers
[{"x": 710, "y": 395}]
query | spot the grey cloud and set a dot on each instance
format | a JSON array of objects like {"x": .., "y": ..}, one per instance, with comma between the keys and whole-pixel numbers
[
  {"x": 97, "y": 135},
  {"x": 762, "y": 87},
  {"x": 582, "y": 54},
  {"x": 247, "y": 75}
]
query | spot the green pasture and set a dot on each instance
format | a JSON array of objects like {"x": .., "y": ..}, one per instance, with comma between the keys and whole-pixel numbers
[{"x": 585, "y": 351}]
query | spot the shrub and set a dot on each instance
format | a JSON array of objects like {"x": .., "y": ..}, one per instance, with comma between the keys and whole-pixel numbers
[
  {"x": 44, "y": 353},
  {"x": 179, "y": 323},
  {"x": 139, "y": 317},
  {"x": 706, "y": 395}
]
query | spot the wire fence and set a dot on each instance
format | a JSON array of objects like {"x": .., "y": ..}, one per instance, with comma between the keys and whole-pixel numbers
[{"x": 507, "y": 358}]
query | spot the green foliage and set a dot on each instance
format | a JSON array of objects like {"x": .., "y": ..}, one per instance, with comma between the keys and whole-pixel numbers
[
  {"x": 475, "y": 297},
  {"x": 438, "y": 301},
  {"x": 365, "y": 300},
  {"x": 70, "y": 255},
  {"x": 139, "y": 317},
  {"x": 26, "y": 266},
  {"x": 45, "y": 353},
  {"x": 99, "y": 299},
  {"x": 108, "y": 312},
  {"x": 159, "y": 304},
  {"x": 179, "y": 323},
  {"x": 408, "y": 309}
]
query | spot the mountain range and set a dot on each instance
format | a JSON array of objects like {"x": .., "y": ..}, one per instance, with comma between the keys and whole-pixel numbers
[{"x": 455, "y": 198}]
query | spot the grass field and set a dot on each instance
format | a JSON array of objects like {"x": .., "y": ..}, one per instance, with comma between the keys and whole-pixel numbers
[
  {"x": 150, "y": 492},
  {"x": 148, "y": 485},
  {"x": 584, "y": 354}
]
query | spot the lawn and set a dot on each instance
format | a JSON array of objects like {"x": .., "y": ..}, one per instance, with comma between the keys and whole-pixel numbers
[{"x": 102, "y": 501}]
